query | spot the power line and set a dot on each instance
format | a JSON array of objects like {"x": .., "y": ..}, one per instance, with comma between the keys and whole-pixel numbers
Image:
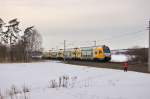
[
  {"x": 74, "y": 43},
  {"x": 123, "y": 35}
]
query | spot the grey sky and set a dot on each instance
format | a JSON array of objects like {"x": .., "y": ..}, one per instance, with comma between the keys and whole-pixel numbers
[{"x": 82, "y": 21}]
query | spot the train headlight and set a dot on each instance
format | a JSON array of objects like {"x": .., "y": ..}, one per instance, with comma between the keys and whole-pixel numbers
[{"x": 107, "y": 54}]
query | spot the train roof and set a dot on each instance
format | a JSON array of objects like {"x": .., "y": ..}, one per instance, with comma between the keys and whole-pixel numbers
[
  {"x": 95, "y": 46},
  {"x": 82, "y": 48}
]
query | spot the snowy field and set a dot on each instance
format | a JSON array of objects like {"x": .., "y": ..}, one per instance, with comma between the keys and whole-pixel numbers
[
  {"x": 119, "y": 58},
  {"x": 81, "y": 83}
]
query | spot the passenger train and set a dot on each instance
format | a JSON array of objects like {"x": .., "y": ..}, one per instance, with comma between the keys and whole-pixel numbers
[{"x": 98, "y": 53}]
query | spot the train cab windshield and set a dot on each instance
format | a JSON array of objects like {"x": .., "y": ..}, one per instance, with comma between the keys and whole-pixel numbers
[{"x": 106, "y": 49}]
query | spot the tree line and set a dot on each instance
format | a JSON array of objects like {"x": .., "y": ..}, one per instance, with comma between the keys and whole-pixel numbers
[
  {"x": 138, "y": 54},
  {"x": 18, "y": 45}
]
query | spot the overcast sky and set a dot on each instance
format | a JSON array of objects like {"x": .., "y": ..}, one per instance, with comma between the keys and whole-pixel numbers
[{"x": 115, "y": 23}]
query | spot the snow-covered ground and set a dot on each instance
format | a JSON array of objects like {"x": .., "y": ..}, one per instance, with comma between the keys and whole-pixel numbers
[
  {"x": 119, "y": 58},
  {"x": 83, "y": 82}
]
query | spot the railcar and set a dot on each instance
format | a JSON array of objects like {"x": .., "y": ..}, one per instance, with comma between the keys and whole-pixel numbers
[
  {"x": 76, "y": 54},
  {"x": 107, "y": 53},
  {"x": 102, "y": 53},
  {"x": 46, "y": 55},
  {"x": 60, "y": 54},
  {"x": 68, "y": 54},
  {"x": 53, "y": 54},
  {"x": 98, "y": 53}
]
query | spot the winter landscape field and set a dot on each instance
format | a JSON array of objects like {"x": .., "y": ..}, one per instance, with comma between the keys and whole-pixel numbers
[{"x": 55, "y": 80}]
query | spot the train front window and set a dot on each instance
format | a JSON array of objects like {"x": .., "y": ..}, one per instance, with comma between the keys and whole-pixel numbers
[
  {"x": 106, "y": 50},
  {"x": 100, "y": 51},
  {"x": 95, "y": 52}
]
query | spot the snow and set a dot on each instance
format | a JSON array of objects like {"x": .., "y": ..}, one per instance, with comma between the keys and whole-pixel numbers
[
  {"x": 119, "y": 58},
  {"x": 90, "y": 83}
]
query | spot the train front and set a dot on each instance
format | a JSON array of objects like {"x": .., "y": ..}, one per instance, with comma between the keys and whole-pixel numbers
[{"x": 107, "y": 53}]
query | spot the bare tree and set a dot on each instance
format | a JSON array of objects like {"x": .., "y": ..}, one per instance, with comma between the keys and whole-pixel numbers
[
  {"x": 15, "y": 47},
  {"x": 11, "y": 36},
  {"x": 140, "y": 55},
  {"x": 32, "y": 42},
  {"x": 3, "y": 48}
]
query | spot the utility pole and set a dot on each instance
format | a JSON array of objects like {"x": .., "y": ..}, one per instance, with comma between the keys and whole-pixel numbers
[
  {"x": 149, "y": 49},
  {"x": 64, "y": 50}
]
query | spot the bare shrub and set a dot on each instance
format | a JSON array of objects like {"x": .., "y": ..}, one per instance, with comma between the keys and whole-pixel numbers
[
  {"x": 25, "y": 90},
  {"x": 63, "y": 81},
  {"x": 1, "y": 95},
  {"x": 53, "y": 84}
]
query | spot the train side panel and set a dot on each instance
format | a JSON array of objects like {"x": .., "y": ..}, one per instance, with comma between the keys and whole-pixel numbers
[
  {"x": 86, "y": 53},
  {"x": 76, "y": 54},
  {"x": 46, "y": 55},
  {"x": 60, "y": 54},
  {"x": 68, "y": 54},
  {"x": 53, "y": 55},
  {"x": 99, "y": 53}
]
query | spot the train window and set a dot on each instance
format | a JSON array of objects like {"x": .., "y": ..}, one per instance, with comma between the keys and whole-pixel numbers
[
  {"x": 100, "y": 51},
  {"x": 95, "y": 52},
  {"x": 73, "y": 53}
]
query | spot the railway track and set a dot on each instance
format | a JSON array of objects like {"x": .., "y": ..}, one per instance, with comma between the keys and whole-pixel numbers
[{"x": 139, "y": 67}]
